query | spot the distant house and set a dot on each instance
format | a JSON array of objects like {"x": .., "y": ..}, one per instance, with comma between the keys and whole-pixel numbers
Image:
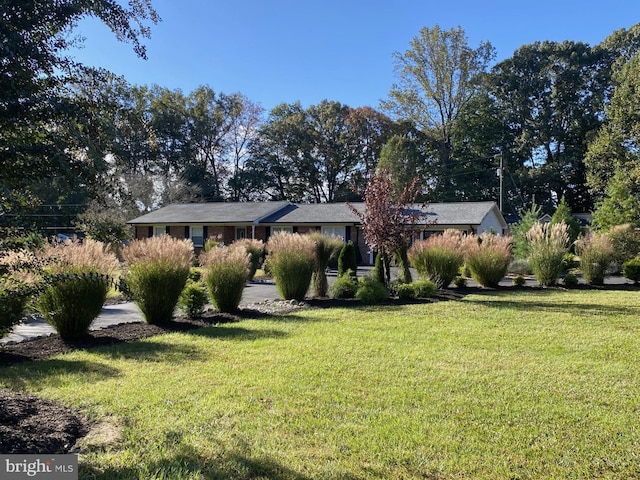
[{"x": 233, "y": 221}]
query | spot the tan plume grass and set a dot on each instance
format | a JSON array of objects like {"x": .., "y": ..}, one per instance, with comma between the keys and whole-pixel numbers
[
  {"x": 226, "y": 274},
  {"x": 548, "y": 242},
  {"x": 291, "y": 259},
  {"x": 596, "y": 253},
  {"x": 89, "y": 256},
  {"x": 487, "y": 256},
  {"x": 439, "y": 257},
  {"x": 164, "y": 248}
]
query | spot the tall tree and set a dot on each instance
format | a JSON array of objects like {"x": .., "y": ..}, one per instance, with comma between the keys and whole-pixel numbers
[
  {"x": 315, "y": 154},
  {"x": 244, "y": 128},
  {"x": 37, "y": 117},
  {"x": 371, "y": 130},
  {"x": 271, "y": 170},
  {"x": 551, "y": 97},
  {"x": 613, "y": 158},
  {"x": 438, "y": 77},
  {"x": 402, "y": 156},
  {"x": 616, "y": 147}
]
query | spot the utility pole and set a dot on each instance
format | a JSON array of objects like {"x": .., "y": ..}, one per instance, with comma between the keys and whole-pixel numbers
[{"x": 500, "y": 173}]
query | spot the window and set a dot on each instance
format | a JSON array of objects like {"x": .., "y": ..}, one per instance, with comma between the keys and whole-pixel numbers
[
  {"x": 281, "y": 229},
  {"x": 159, "y": 230},
  {"x": 337, "y": 231},
  {"x": 197, "y": 235}
]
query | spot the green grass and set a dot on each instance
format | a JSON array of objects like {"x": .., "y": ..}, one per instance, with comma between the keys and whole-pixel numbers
[{"x": 540, "y": 384}]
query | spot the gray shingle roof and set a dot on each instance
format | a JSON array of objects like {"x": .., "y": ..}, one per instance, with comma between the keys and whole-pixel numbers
[
  {"x": 210, "y": 213},
  {"x": 316, "y": 213},
  {"x": 462, "y": 213}
]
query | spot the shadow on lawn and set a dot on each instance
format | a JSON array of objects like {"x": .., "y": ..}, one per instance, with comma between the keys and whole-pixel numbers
[
  {"x": 185, "y": 462},
  {"x": 532, "y": 304},
  {"x": 51, "y": 370},
  {"x": 227, "y": 332}
]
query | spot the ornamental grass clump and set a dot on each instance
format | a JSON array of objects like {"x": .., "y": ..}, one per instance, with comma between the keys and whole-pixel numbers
[
  {"x": 291, "y": 259},
  {"x": 596, "y": 254},
  {"x": 487, "y": 256},
  {"x": 157, "y": 269},
  {"x": 625, "y": 241},
  {"x": 17, "y": 284},
  {"x": 548, "y": 245},
  {"x": 226, "y": 274},
  {"x": 78, "y": 277},
  {"x": 255, "y": 249},
  {"x": 327, "y": 249},
  {"x": 438, "y": 258},
  {"x": 631, "y": 269}
]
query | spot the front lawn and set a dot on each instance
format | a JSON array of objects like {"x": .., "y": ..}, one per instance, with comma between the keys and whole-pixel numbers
[{"x": 526, "y": 384}]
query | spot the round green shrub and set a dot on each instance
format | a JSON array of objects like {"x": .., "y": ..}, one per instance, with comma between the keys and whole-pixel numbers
[
  {"x": 405, "y": 291},
  {"x": 195, "y": 275},
  {"x": 631, "y": 269},
  {"x": 371, "y": 290},
  {"x": 570, "y": 280},
  {"x": 460, "y": 281},
  {"x": 71, "y": 303},
  {"x": 423, "y": 288},
  {"x": 569, "y": 262},
  {"x": 193, "y": 299},
  {"x": 518, "y": 281},
  {"x": 345, "y": 286}
]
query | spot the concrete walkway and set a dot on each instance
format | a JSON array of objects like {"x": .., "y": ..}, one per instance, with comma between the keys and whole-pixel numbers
[{"x": 127, "y": 312}]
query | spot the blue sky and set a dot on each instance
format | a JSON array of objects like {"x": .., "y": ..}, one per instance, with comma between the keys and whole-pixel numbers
[{"x": 276, "y": 51}]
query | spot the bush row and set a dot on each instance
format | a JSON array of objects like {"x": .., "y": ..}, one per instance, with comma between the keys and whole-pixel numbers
[{"x": 158, "y": 275}]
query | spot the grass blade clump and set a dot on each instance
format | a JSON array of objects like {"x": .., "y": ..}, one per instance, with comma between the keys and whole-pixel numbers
[
  {"x": 78, "y": 278},
  {"x": 255, "y": 249},
  {"x": 157, "y": 271},
  {"x": 291, "y": 259},
  {"x": 17, "y": 284},
  {"x": 227, "y": 272},
  {"x": 438, "y": 258},
  {"x": 327, "y": 248},
  {"x": 596, "y": 254},
  {"x": 487, "y": 257},
  {"x": 548, "y": 244}
]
